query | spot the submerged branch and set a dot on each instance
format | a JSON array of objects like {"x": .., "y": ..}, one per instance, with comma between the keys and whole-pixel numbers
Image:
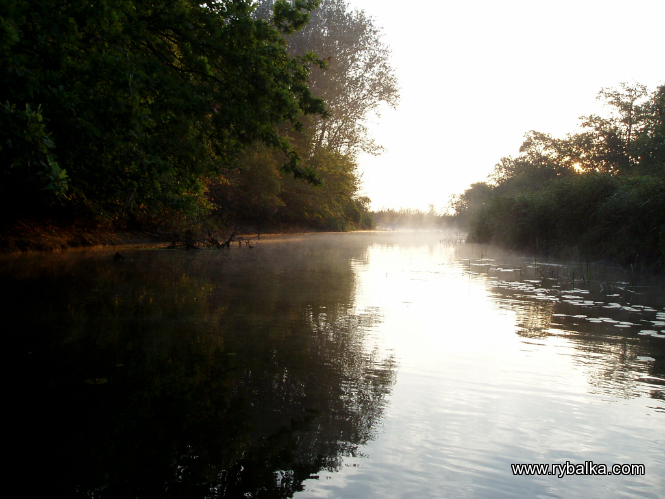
[{"x": 207, "y": 240}]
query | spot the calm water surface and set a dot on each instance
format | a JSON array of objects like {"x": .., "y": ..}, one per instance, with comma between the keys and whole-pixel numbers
[{"x": 341, "y": 365}]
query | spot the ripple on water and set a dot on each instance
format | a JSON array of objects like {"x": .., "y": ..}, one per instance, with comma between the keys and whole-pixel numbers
[{"x": 522, "y": 373}]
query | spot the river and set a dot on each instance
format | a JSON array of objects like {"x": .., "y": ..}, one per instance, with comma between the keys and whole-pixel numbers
[{"x": 333, "y": 365}]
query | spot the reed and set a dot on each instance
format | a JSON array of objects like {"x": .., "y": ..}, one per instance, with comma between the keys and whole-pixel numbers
[{"x": 602, "y": 216}]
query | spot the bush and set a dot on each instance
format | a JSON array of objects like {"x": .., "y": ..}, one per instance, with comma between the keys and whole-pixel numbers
[{"x": 612, "y": 217}]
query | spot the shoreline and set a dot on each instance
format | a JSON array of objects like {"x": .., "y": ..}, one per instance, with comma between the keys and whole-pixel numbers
[{"x": 25, "y": 237}]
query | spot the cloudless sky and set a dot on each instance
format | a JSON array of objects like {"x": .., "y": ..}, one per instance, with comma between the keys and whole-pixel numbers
[{"x": 476, "y": 76}]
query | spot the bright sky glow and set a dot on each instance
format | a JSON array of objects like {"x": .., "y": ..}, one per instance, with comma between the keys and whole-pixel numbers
[{"x": 476, "y": 76}]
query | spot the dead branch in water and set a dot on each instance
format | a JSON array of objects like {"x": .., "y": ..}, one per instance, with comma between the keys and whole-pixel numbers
[{"x": 208, "y": 240}]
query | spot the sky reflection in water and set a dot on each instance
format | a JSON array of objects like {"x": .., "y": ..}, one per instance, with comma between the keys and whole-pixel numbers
[{"x": 488, "y": 377}]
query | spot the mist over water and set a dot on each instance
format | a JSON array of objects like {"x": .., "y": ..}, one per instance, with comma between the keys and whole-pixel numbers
[{"x": 334, "y": 365}]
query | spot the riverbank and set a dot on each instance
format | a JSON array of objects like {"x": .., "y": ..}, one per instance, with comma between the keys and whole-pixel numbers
[
  {"x": 587, "y": 216},
  {"x": 25, "y": 236}
]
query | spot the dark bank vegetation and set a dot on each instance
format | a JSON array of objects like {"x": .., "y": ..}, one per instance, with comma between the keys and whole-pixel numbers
[
  {"x": 599, "y": 193},
  {"x": 127, "y": 114}
]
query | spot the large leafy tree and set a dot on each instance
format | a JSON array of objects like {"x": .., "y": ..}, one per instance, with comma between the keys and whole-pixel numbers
[
  {"x": 609, "y": 143},
  {"x": 358, "y": 80},
  {"x": 118, "y": 104},
  {"x": 542, "y": 158},
  {"x": 650, "y": 143}
]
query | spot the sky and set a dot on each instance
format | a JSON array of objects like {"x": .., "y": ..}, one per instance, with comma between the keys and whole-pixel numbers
[{"x": 476, "y": 76}]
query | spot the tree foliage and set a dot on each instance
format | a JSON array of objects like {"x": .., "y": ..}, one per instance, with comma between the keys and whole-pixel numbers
[
  {"x": 357, "y": 80},
  {"x": 600, "y": 191},
  {"x": 597, "y": 215},
  {"x": 628, "y": 140},
  {"x": 122, "y": 104},
  {"x": 259, "y": 193},
  {"x": 542, "y": 157},
  {"x": 610, "y": 143},
  {"x": 354, "y": 81},
  {"x": 466, "y": 205},
  {"x": 650, "y": 142}
]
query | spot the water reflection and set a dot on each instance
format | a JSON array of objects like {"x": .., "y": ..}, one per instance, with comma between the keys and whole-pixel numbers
[
  {"x": 273, "y": 372},
  {"x": 489, "y": 377},
  {"x": 229, "y": 374},
  {"x": 605, "y": 327}
]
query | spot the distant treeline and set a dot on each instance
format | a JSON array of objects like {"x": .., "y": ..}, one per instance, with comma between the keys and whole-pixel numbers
[
  {"x": 177, "y": 112},
  {"x": 599, "y": 193},
  {"x": 407, "y": 218}
]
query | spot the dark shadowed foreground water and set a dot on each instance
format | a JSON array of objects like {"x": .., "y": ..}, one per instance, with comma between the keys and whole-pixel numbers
[{"x": 347, "y": 365}]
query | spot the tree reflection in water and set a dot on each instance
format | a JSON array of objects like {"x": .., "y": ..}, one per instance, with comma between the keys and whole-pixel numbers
[{"x": 229, "y": 374}]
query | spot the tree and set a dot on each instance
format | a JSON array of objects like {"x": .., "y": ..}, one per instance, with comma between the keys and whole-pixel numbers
[
  {"x": 627, "y": 112},
  {"x": 466, "y": 205},
  {"x": 610, "y": 145},
  {"x": 650, "y": 142},
  {"x": 126, "y": 104},
  {"x": 252, "y": 190},
  {"x": 542, "y": 157},
  {"x": 357, "y": 79}
]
